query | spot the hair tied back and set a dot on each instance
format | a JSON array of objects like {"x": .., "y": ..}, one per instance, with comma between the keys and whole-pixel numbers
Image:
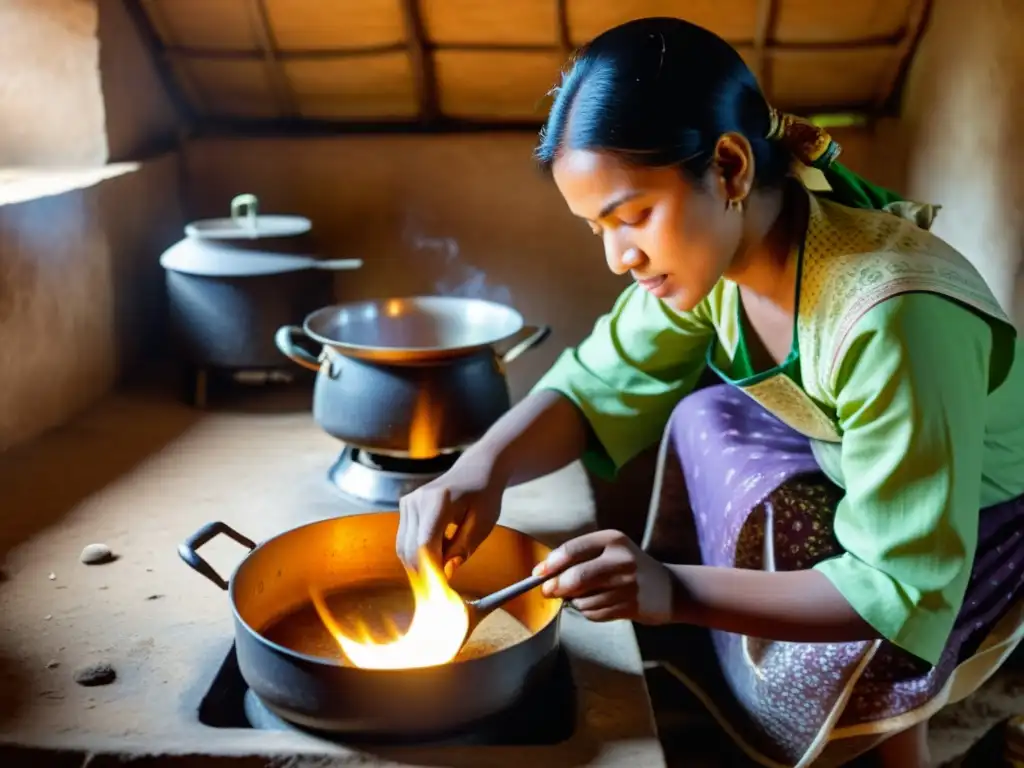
[{"x": 811, "y": 145}]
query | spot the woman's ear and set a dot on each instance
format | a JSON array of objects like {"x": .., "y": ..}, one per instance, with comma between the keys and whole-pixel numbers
[{"x": 734, "y": 161}]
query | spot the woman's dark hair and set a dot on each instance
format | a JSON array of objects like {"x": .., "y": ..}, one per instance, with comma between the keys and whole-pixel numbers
[{"x": 659, "y": 92}]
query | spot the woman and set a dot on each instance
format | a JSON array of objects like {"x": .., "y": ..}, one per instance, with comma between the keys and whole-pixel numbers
[{"x": 855, "y": 486}]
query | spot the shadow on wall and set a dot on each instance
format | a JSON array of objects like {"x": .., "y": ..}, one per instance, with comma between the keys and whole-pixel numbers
[
  {"x": 81, "y": 294},
  {"x": 80, "y": 304},
  {"x": 140, "y": 119},
  {"x": 141, "y": 217},
  {"x": 56, "y": 334}
]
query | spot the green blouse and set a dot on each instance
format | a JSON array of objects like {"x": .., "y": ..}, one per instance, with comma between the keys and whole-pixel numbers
[{"x": 925, "y": 445}]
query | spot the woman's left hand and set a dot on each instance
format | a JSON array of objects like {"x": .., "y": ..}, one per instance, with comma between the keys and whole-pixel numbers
[{"x": 609, "y": 577}]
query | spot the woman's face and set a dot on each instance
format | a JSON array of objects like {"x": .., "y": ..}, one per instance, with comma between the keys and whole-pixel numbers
[{"x": 674, "y": 238}]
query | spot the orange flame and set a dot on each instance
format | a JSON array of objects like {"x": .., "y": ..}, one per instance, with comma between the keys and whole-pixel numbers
[
  {"x": 439, "y": 624},
  {"x": 440, "y": 618},
  {"x": 423, "y": 432}
]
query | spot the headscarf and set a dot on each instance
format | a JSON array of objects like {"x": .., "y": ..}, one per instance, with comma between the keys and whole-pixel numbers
[{"x": 812, "y": 146}]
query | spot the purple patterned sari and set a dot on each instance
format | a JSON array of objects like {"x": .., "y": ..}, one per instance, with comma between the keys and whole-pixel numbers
[{"x": 738, "y": 488}]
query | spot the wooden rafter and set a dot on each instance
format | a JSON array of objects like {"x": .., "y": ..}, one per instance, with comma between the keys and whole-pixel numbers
[
  {"x": 762, "y": 49},
  {"x": 155, "y": 45},
  {"x": 422, "y": 61},
  {"x": 313, "y": 127},
  {"x": 562, "y": 20},
  {"x": 312, "y": 54},
  {"x": 764, "y": 28},
  {"x": 268, "y": 48},
  {"x": 903, "y": 52},
  {"x": 321, "y": 54},
  {"x": 234, "y": 54}
]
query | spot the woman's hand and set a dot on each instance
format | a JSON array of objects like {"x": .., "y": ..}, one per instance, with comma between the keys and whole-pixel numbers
[
  {"x": 449, "y": 517},
  {"x": 608, "y": 577}
]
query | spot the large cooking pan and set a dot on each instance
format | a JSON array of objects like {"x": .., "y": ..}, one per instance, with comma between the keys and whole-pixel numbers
[
  {"x": 352, "y": 553},
  {"x": 429, "y": 361},
  {"x": 414, "y": 329}
]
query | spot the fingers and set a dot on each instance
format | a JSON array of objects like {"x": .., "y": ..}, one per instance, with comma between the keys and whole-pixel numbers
[
  {"x": 407, "y": 523},
  {"x": 582, "y": 548},
  {"x": 410, "y": 545},
  {"x": 611, "y": 613},
  {"x": 435, "y": 511},
  {"x": 614, "y": 568},
  {"x": 423, "y": 516},
  {"x": 462, "y": 543},
  {"x": 444, "y": 522},
  {"x": 403, "y": 522},
  {"x": 606, "y": 599},
  {"x": 595, "y": 576}
]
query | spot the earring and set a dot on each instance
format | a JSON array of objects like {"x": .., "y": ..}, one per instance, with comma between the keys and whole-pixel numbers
[{"x": 736, "y": 205}]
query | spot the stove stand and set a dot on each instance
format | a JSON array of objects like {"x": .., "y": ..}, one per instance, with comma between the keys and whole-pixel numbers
[
  {"x": 380, "y": 481},
  {"x": 544, "y": 716},
  {"x": 200, "y": 385}
]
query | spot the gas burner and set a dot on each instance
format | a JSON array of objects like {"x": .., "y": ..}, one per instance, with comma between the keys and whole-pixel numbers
[
  {"x": 545, "y": 715},
  {"x": 379, "y": 480}
]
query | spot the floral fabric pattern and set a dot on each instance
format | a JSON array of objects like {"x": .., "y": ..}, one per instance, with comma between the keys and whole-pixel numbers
[{"x": 747, "y": 487}]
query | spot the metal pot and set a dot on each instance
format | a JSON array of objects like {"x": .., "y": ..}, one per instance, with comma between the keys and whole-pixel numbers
[
  {"x": 346, "y": 552},
  {"x": 232, "y": 282},
  {"x": 414, "y": 377}
]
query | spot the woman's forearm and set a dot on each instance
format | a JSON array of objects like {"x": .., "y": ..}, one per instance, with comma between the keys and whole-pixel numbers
[
  {"x": 539, "y": 435},
  {"x": 791, "y": 606}
]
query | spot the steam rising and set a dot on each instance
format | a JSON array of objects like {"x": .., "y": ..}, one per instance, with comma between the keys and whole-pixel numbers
[{"x": 457, "y": 277}]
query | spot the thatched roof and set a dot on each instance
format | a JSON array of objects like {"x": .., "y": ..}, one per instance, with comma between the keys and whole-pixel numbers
[{"x": 437, "y": 61}]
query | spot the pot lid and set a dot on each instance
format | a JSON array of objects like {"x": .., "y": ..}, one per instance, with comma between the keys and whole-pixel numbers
[
  {"x": 196, "y": 256},
  {"x": 246, "y": 223}
]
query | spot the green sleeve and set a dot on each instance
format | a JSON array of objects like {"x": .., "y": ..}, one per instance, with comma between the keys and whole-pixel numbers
[
  {"x": 630, "y": 372},
  {"x": 910, "y": 397}
]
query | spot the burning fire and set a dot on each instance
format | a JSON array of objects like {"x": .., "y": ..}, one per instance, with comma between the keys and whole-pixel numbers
[
  {"x": 423, "y": 432},
  {"x": 440, "y": 618},
  {"x": 439, "y": 624}
]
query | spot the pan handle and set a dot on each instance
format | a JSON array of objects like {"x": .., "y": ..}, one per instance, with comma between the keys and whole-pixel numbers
[
  {"x": 285, "y": 341},
  {"x": 337, "y": 264},
  {"x": 188, "y": 549},
  {"x": 537, "y": 336}
]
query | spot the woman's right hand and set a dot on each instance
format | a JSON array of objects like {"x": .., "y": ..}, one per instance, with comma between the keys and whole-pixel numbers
[{"x": 449, "y": 517}]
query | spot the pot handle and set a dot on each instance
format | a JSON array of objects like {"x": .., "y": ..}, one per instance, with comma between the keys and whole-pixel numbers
[
  {"x": 188, "y": 549},
  {"x": 537, "y": 336},
  {"x": 336, "y": 265},
  {"x": 285, "y": 341}
]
